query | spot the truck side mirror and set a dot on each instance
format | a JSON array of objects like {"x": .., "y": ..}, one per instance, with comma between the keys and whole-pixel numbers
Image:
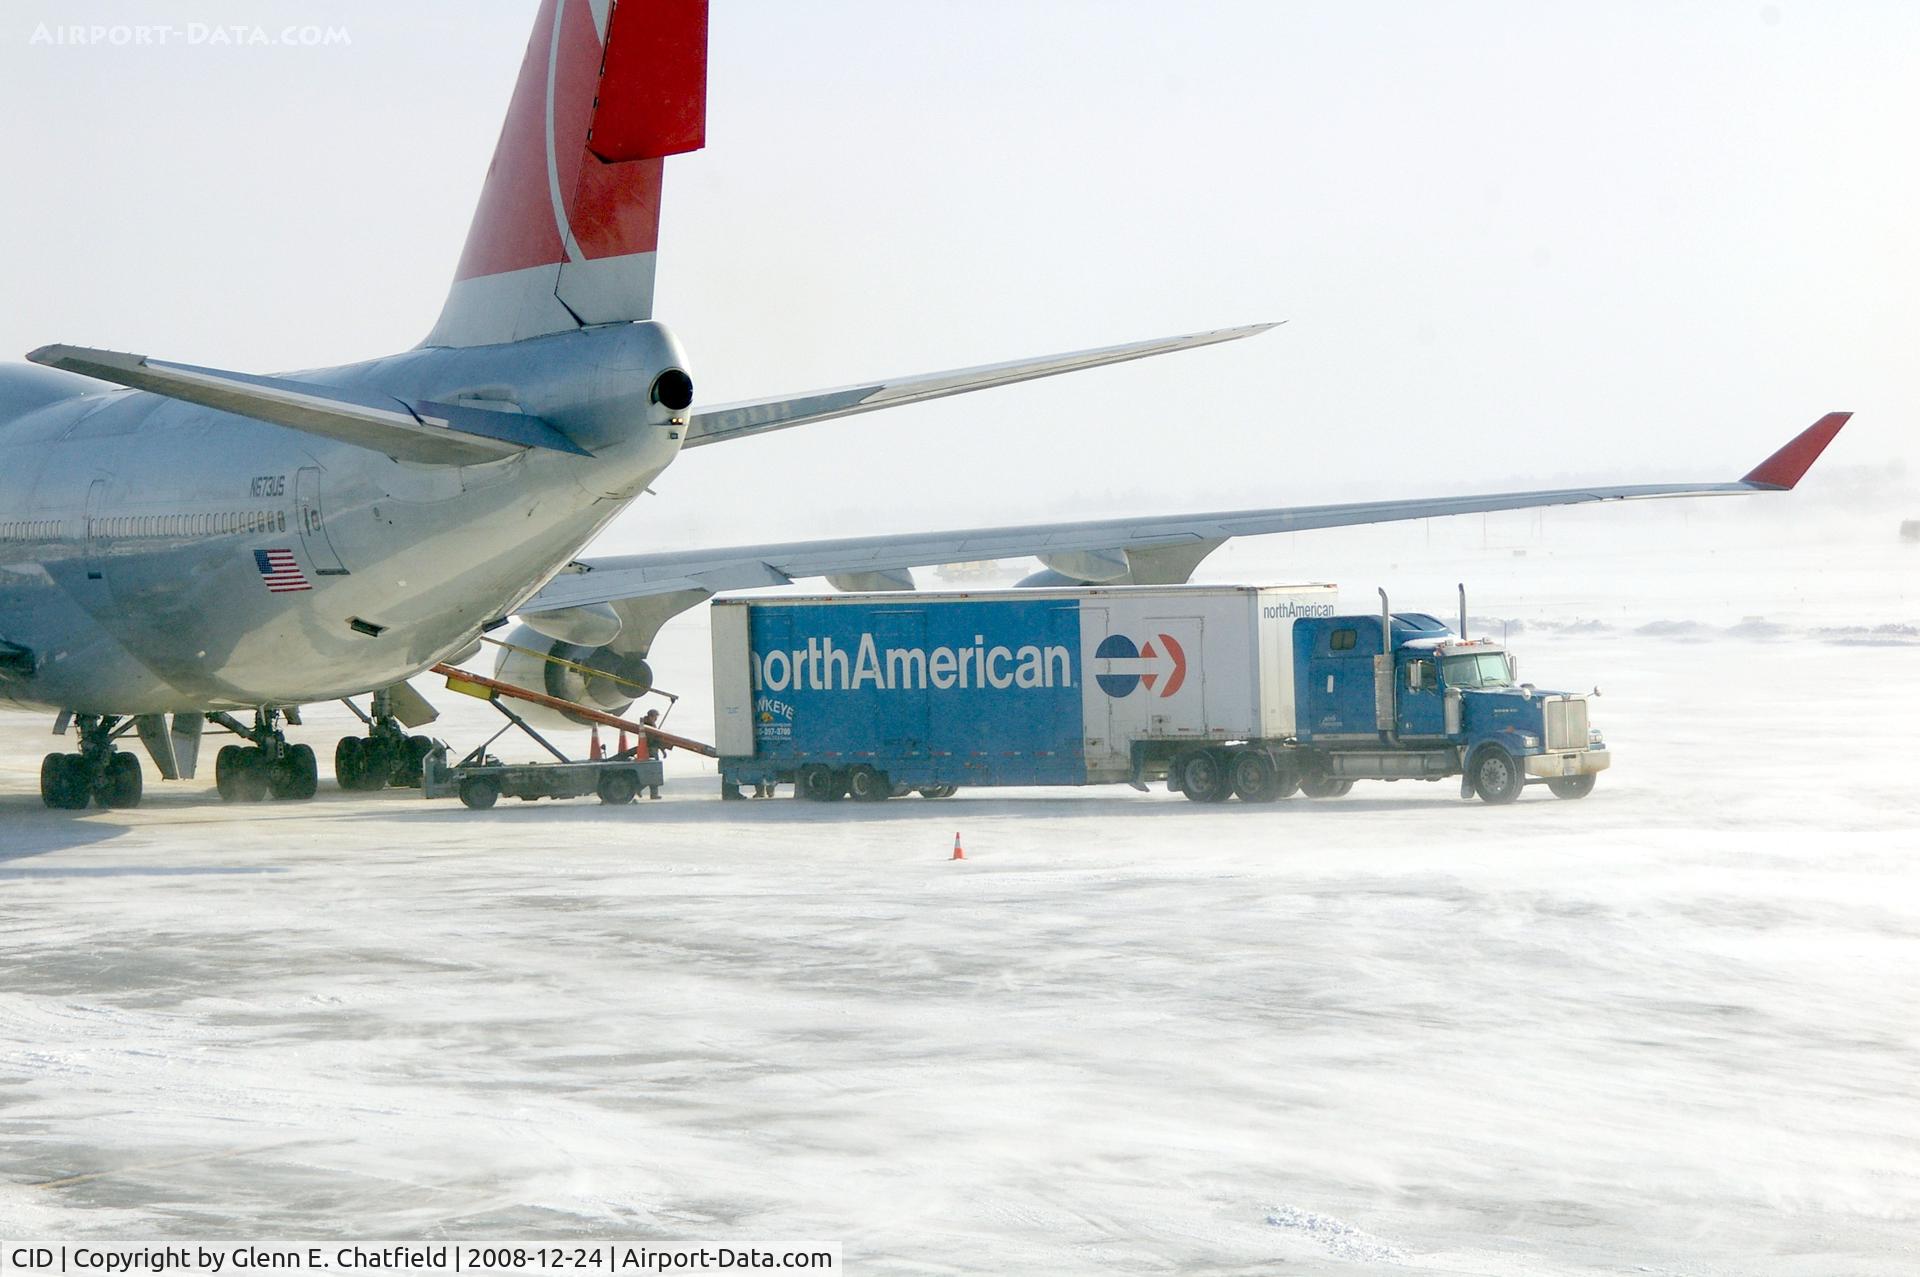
[{"x": 1416, "y": 676}]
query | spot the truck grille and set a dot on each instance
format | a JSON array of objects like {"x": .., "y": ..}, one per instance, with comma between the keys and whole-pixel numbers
[{"x": 1567, "y": 722}]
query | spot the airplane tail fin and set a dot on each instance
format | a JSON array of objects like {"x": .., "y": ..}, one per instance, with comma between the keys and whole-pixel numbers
[{"x": 569, "y": 217}]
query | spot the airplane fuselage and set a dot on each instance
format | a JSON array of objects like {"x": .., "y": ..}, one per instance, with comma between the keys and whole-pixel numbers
[{"x": 159, "y": 557}]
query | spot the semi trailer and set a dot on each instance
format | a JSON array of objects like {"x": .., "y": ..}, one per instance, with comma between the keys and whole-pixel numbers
[{"x": 1218, "y": 691}]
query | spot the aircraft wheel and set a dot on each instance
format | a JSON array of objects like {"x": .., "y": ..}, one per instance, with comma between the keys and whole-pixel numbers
[
  {"x": 1496, "y": 776},
  {"x": 479, "y": 793},
  {"x": 378, "y": 761},
  {"x": 122, "y": 784},
  {"x": 1255, "y": 778},
  {"x": 227, "y": 766},
  {"x": 939, "y": 791},
  {"x": 1572, "y": 786},
  {"x": 406, "y": 772},
  {"x": 63, "y": 784},
  {"x": 869, "y": 786},
  {"x": 296, "y": 776},
  {"x": 1203, "y": 776},
  {"x": 616, "y": 789},
  {"x": 346, "y": 762}
]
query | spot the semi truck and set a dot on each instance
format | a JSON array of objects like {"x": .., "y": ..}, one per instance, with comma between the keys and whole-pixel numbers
[{"x": 1255, "y": 692}]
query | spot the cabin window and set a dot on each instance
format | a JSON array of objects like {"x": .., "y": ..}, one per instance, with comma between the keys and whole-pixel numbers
[{"x": 1343, "y": 640}]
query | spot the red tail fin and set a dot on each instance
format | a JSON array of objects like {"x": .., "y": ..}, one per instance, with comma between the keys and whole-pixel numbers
[{"x": 569, "y": 217}]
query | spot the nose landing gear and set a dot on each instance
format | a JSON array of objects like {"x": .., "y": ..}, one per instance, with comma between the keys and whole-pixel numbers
[
  {"x": 269, "y": 765},
  {"x": 98, "y": 773}
]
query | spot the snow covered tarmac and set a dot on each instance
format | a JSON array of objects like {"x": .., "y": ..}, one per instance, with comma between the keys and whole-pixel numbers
[{"x": 1671, "y": 1027}]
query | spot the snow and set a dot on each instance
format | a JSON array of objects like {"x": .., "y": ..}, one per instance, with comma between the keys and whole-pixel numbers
[{"x": 1670, "y": 1028}]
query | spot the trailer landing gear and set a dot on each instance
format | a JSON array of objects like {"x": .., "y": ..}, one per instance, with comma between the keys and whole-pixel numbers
[
  {"x": 98, "y": 773},
  {"x": 267, "y": 765},
  {"x": 386, "y": 755}
]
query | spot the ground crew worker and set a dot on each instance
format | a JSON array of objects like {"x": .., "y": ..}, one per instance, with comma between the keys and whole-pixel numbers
[{"x": 652, "y": 719}]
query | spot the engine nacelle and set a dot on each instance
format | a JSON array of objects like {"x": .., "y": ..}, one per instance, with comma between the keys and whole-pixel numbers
[{"x": 604, "y": 680}]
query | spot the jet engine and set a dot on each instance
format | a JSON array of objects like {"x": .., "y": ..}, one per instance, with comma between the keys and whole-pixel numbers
[{"x": 596, "y": 677}]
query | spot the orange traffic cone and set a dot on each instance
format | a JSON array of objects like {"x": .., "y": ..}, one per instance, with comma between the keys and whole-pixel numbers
[
  {"x": 623, "y": 743},
  {"x": 593, "y": 746},
  {"x": 959, "y": 853}
]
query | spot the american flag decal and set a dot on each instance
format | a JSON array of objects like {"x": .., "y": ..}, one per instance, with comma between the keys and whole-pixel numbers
[{"x": 280, "y": 571}]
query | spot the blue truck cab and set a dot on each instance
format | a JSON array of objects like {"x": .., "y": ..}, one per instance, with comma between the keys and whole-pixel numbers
[{"x": 1399, "y": 695}]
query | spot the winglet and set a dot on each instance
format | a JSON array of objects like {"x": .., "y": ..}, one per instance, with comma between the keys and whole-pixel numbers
[{"x": 1786, "y": 467}]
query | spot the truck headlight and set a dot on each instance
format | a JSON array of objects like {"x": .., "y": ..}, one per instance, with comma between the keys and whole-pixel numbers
[
  {"x": 1594, "y": 737},
  {"x": 1529, "y": 741}
]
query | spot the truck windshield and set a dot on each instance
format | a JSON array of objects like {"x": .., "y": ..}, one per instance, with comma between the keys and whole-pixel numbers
[{"x": 1477, "y": 669}]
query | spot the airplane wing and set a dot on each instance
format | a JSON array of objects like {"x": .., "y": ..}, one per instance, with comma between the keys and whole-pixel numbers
[
  {"x": 1158, "y": 549},
  {"x": 740, "y": 420},
  {"x": 446, "y": 434}
]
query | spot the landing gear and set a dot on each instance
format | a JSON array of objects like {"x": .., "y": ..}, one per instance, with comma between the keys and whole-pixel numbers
[
  {"x": 269, "y": 765},
  {"x": 98, "y": 773},
  {"x": 386, "y": 755}
]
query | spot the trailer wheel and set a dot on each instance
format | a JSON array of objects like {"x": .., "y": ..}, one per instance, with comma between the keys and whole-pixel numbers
[
  {"x": 1496, "y": 775},
  {"x": 869, "y": 786},
  {"x": 819, "y": 783},
  {"x": 1572, "y": 786},
  {"x": 1204, "y": 776},
  {"x": 479, "y": 793},
  {"x": 1255, "y": 778},
  {"x": 616, "y": 789}
]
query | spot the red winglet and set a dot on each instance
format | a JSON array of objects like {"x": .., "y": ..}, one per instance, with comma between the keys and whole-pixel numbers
[{"x": 1785, "y": 467}]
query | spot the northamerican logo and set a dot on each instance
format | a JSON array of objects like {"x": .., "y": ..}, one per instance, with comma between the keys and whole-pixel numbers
[{"x": 1126, "y": 665}]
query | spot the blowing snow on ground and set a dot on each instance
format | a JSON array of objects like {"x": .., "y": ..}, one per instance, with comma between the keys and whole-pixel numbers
[{"x": 1670, "y": 1028}]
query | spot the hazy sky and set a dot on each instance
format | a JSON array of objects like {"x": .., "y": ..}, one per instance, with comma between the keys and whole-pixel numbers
[{"x": 1514, "y": 243}]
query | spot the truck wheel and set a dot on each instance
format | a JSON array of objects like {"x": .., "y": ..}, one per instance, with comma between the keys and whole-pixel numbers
[
  {"x": 1319, "y": 783},
  {"x": 1255, "y": 778},
  {"x": 1204, "y": 778},
  {"x": 869, "y": 786},
  {"x": 939, "y": 791},
  {"x": 1496, "y": 776},
  {"x": 819, "y": 783},
  {"x": 479, "y": 793},
  {"x": 616, "y": 789},
  {"x": 1287, "y": 783},
  {"x": 1572, "y": 786}
]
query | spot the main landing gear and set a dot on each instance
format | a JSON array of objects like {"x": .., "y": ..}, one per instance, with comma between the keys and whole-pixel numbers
[
  {"x": 386, "y": 755},
  {"x": 267, "y": 766},
  {"x": 98, "y": 773}
]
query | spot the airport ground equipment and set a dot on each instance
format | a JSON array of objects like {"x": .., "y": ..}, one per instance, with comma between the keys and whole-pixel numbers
[
  {"x": 1254, "y": 691},
  {"x": 479, "y": 779}
]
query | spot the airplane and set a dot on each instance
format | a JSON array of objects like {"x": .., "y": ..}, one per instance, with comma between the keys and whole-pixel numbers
[{"x": 182, "y": 545}]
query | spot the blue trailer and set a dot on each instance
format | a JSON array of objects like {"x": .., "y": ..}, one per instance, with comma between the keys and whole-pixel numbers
[{"x": 1219, "y": 691}]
